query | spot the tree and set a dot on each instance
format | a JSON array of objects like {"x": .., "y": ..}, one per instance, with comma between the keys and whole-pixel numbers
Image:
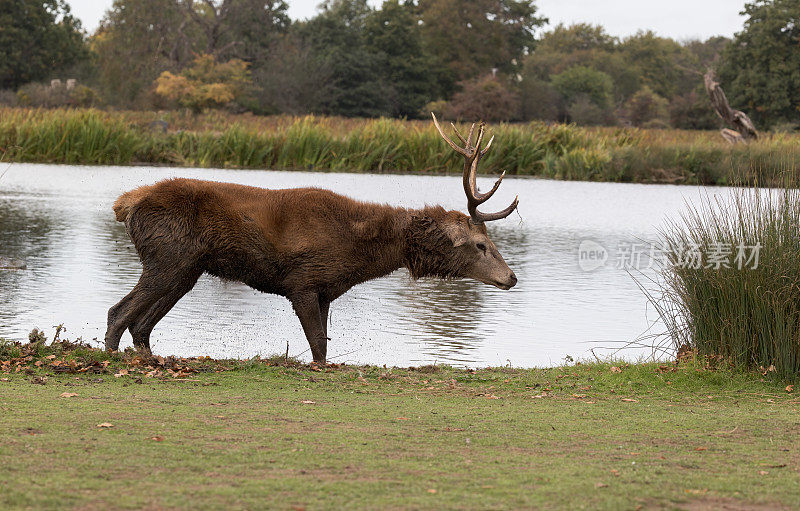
[
  {"x": 760, "y": 70},
  {"x": 242, "y": 29},
  {"x": 137, "y": 40},
  {"x": 585, "y": 45},
  {"x": 206, "y": 84},
  {"x": 538, "y": 100},
  {"x": 484, "y": 99},
  {"x": 693, "y": 111},
  {"x": 662, "y": 64},
  {"x": 37, "y": 38},
  {"x": 646, "y": 106},
  {"x": 337, "y": 38},
  {"x": 473, "y": 37},
  {"x": 580, "y": 86},
  {"x": 405, "y": 66},
  {"x": 584, "y": 81},
  {"x": 292, "y": 80}
]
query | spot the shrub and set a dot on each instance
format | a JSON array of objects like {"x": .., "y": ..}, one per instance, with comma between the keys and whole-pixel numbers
[
  {"x": 206, "y": 84},
  {"x": 485, "y": 98},
  {"x": 55, "y": 96},
  {"x": 586, "y": 113},
  {"x": 645, "y": 107}
]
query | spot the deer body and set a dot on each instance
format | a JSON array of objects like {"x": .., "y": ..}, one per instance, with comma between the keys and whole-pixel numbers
[{"x": 308, "y": 245}]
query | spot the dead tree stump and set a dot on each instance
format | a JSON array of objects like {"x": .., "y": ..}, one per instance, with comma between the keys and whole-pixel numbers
[{"x": 743, "y": 128}]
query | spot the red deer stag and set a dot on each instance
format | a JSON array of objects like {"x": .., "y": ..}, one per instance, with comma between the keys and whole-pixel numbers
[{"x": 307, "y": 244}]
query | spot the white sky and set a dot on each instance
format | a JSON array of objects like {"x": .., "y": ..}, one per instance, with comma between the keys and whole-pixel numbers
[{"x": 680, "y": 19}]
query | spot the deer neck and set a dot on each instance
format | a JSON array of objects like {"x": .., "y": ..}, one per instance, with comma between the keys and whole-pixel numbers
[{"x": 381, "y": 242}]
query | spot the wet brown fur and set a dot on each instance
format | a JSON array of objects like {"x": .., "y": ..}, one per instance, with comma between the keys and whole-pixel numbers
[{"x": 309, "y": 245}]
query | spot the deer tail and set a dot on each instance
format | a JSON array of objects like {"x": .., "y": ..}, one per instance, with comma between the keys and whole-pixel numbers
[{"x": 126, "y": 202}]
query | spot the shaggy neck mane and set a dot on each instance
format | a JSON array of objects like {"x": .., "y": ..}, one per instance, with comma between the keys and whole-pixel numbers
[{"x": 427, "y": 245}]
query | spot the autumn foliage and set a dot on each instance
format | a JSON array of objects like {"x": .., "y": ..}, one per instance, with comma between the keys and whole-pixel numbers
[{"x": 206, "y": 83}]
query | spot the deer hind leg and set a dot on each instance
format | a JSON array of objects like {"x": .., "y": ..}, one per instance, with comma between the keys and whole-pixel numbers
[
  {"x": 307, "y": 308},
  {"x": 143, "y": 325},
  {"x": 156, "y": 281}
]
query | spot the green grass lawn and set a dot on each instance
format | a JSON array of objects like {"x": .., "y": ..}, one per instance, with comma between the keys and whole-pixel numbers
[{"x": 261, "y": 436}]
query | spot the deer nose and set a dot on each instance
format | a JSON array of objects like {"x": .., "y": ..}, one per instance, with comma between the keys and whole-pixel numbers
[{"x": 512, "y": 279}]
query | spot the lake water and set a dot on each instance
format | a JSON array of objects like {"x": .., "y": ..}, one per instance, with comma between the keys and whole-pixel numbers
[{"x": 58, "y": 220}]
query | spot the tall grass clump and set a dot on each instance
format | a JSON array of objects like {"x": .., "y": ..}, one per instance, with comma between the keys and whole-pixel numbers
[{"x": 745, "y": 310}]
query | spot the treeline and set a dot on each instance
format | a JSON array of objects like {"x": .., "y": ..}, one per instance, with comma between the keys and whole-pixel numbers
[{"x": 464, "y": 59}]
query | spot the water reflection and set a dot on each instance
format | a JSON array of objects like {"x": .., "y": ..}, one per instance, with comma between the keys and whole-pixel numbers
[{"x": 80, "y": 261}]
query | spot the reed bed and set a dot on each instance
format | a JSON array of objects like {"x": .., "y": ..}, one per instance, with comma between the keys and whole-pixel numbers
[
  {"x": 745, "y": 312},
  {"x": 384, "y": 145}
]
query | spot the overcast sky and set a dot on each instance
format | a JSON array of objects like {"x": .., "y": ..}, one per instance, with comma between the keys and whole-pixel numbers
[{"x": 680, "y": 19}]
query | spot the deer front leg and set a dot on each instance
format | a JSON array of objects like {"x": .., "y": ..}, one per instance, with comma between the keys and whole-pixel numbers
[
  {"x": 324, "y": 307},
  {"x": 307, "y": 308}
]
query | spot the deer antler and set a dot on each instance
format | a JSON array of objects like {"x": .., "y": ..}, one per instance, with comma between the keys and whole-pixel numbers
[{"x": 472, "y": 156}]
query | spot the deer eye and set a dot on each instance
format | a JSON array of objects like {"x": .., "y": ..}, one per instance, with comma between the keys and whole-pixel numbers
[{"x": 481, "y": 246}]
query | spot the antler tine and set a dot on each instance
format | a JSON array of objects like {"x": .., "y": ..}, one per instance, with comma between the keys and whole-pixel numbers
[
  {"x": 458, "y": 134},
  {"x": 469, "y": 137},
  {"x": 488, "y": 217},
  {"x": 488, "y": 146},
  {"x": 473, "y": 164},
  {"x": 483, "y": 197},
  {"x": 452, "y": 144}
]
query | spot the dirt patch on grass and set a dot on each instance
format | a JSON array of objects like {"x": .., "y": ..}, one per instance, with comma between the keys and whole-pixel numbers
[{"x": 720, "y": 504}]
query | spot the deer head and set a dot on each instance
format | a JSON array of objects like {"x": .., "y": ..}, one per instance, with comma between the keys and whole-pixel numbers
[{"x": 457, "y": 245}]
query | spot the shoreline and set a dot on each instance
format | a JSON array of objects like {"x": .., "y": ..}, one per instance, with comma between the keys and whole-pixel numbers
[{"x": 322, "y": 144}]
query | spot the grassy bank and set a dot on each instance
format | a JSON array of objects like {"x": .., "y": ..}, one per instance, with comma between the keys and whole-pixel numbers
[
  {"x": 333, "y": 144},
  {"x": 80, "y": 429}
]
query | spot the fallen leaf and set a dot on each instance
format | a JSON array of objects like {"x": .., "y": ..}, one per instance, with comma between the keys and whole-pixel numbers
[
  {"x": 579, "y": 396},
  {"x": 308, "y": 402},
  {"x": 615, "y": 369},
  {"x": 68, "y": 394},
  {"x": 431, "y": 490},
  {"x": 762, "y": 472},
  {"x": 701, "y": 448},
  {"x": 770, "y": 400},
  {"x": 122, "y": 372},
  {"x": 219, "y": 416},
  {"x": 615, "y": 472},
  {"x": 105, "y": 425},
  {"x": 629, "y": 400},
  {"x": 157, "y": 438},
  {"x": 492, "y": 396},
  {"x": 601, "y": 485},
  {"x": 789, "y": 388},
  {"x": 4, "y": 379}
]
